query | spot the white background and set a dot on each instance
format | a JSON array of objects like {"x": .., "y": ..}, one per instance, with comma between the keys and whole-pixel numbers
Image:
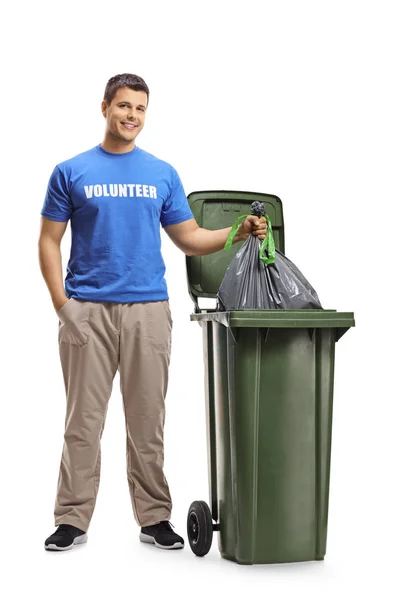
[{"x": 297, "y": 99}]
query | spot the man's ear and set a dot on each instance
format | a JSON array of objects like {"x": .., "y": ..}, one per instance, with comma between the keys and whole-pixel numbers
[{"x": 104, "y": 108}]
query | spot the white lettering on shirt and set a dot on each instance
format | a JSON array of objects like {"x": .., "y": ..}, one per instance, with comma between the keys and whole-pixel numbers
[
  {"x": 114, "y": 189},
  {"x": 123, "y": 190},
  {"x": 89, "y": 191}
]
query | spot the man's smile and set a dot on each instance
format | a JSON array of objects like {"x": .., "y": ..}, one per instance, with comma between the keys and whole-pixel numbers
[{"x": 130, "y": 126}]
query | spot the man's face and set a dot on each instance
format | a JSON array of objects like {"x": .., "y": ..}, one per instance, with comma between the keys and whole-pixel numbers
[{"x": 125, "y": 115}]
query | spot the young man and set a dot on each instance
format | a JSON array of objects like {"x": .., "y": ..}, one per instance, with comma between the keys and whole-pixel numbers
[{"x": 114, "y": 311}]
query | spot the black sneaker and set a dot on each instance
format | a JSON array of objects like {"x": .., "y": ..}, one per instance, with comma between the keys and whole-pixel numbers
[
  {"x": 65, "y": 538},
  {"x": 162, "y": 536}
]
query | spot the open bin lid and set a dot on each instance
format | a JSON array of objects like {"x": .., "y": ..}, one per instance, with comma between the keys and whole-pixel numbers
[
  {"x": 217, "y": 210},
  {"x": 220, "y": 209}
]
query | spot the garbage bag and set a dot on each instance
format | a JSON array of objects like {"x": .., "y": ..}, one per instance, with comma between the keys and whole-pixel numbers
[{"x": 261, "y": 277}]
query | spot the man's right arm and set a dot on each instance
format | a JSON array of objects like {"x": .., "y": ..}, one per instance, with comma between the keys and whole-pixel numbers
[{"x": 50, "y": 260}]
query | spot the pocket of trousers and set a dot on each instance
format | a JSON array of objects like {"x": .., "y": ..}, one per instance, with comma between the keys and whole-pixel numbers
[
  {"x": 74, "y": 319},
  {"x": 167, "y": 309}
]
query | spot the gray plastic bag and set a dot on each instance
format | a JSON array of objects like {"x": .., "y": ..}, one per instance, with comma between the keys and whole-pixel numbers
[{"x": 260, "y": 277}]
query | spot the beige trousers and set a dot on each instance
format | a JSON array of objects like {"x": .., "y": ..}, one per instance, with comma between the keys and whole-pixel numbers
[{"x": 96, "y": 339}]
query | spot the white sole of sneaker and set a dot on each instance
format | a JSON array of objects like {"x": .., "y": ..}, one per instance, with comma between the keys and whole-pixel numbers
[
  {"x": 148, "y": 539},
  {"x": 81, "y": 539}
]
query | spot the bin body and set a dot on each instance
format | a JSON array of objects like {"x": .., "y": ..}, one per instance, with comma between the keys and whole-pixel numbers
[
  {"x": 269, "y": 379},
  {"x": 272, "y": 399}
]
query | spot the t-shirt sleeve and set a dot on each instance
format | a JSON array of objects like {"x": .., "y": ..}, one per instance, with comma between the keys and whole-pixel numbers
[
  {"x": 57, "y": 204},
  {"x": 175, "y": 208}
]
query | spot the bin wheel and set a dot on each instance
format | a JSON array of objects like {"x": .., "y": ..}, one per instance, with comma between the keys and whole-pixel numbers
[{"x": 199, "y": 527}]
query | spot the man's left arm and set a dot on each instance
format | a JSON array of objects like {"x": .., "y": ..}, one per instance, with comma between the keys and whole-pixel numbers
[{"x": 196, "y": 241}]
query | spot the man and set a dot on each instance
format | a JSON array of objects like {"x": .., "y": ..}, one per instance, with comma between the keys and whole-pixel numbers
[{"x": 114, "y": 311}]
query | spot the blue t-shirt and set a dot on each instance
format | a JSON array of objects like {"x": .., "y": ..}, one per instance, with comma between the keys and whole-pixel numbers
[{"x": 116, "y": 203}]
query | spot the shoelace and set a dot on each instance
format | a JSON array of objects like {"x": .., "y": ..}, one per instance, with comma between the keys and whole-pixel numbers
[
  {"x": 165, "y": 525},
  {"x": 67, "y": 528}
]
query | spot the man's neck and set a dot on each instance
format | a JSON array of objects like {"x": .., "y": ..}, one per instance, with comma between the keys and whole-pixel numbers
[{"x": 116, "y": 147}]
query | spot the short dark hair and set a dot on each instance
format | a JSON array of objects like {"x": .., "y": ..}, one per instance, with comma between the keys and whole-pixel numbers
[{"x": 129, "y": 80}]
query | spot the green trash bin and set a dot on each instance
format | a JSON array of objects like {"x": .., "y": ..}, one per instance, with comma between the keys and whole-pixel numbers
[{"x": 269, "y": 391}]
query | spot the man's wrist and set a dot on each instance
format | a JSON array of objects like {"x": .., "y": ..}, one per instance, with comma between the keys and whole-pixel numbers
[
  {"x": 59, "y": 301},
  {"x": 238, "y": 238}
]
